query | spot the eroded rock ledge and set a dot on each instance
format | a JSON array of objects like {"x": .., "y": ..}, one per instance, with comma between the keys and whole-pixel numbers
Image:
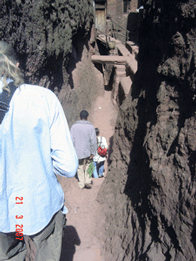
[
  {"x": 50, "y": 38},
  {"x": 148, "y": 197}
]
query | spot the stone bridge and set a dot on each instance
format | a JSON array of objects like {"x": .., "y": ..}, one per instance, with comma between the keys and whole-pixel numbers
[{"x": 124, "y": 60}]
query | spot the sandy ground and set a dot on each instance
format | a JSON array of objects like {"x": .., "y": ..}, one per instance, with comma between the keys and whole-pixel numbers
[{"x": 80, "y": 242}]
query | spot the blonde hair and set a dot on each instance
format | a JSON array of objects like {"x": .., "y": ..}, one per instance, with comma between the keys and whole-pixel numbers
[{"x": 8, "y": 66}]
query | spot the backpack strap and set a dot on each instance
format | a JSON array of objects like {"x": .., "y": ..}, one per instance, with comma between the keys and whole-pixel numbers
[
  {"x": 5, "y": 99},
  {"x": 100, "y": 142}
]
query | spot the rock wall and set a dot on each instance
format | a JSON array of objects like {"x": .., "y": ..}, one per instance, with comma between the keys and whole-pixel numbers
[
  {"x": 44, "y": 34},
  {"x": 148, "y": 197}
]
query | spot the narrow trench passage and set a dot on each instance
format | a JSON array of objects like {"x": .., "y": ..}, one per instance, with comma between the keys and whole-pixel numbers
[{"x": 80, "y": 242}]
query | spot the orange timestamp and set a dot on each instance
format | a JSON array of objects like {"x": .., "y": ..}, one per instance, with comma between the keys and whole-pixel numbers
[{"x": 19, "y": 227}]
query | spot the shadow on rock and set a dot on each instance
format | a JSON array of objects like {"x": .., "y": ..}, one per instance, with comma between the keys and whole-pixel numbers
[{"x": 70, "y": 240}]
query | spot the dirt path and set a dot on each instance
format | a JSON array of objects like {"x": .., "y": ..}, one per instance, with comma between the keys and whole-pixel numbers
[{"x": 80, "y": 242}]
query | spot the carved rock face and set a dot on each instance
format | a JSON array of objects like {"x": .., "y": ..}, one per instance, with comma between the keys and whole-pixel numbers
[
  {"x": 50, "y": 37},
  {"x": 149, "y": 195},
  {"x": 42, "y": 33}
]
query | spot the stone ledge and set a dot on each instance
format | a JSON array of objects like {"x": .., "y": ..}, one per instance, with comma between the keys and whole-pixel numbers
[
  {"x": 126, "y": 83},
  {"x": 108, "y": 59},
  {"x": 133, "y": 48},
  {"x": 122, "y": 50}
]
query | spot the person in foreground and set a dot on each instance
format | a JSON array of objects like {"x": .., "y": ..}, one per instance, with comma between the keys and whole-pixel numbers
[
  {"x": 35, "y": 146},
  {"x": 84, "y": 140}
]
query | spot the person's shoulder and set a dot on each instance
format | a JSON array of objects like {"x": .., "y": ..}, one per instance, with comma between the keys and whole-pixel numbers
[
  {"x": 35, "y": 88},
  {"x": 90, "y": 124},
  {"x": 101, "y": 138},
  {"x": 75, "y": 124},
  {"x": 38, "y": 91}
]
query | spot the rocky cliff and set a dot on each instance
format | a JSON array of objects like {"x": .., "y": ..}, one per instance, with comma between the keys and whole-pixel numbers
[
  {"x": 149, "y": 195},
  {"x": 50, "y": 38}
]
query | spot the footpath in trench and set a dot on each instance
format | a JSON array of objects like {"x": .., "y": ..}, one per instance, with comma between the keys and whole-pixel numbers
[{"x": 80, "y": 242}]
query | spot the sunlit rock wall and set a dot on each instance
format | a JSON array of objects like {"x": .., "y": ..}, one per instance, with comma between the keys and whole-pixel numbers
[
  {"x": 149, "y": 195},
  {"x": 44, "y": 33}
]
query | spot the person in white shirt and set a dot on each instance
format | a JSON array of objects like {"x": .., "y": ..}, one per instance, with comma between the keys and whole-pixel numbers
[
  {"x": 98, "y": 161},
  {"x": 35, "y": 146}
]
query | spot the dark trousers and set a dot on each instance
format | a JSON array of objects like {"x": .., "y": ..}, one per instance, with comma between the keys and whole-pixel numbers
[{"x": 44, "y": 246}]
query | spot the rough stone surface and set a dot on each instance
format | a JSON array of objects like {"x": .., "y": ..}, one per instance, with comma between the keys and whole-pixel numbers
[
  {"x": 148, "y": 198},
  {"x": 50, "y": 37}
]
